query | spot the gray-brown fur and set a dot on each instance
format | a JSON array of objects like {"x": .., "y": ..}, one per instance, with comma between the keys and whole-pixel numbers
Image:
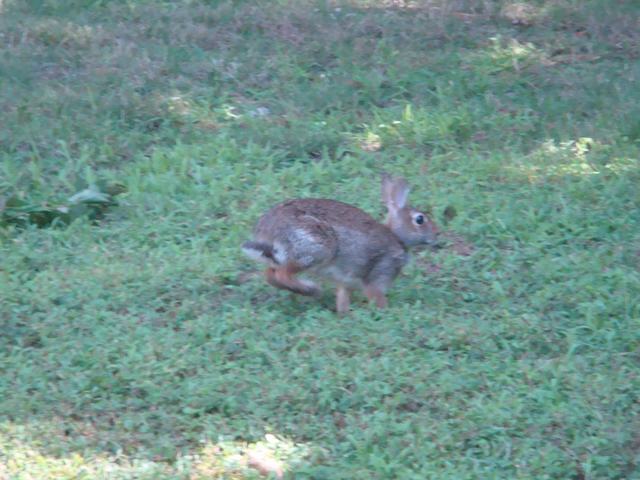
[{"x": 339, "y": 242}]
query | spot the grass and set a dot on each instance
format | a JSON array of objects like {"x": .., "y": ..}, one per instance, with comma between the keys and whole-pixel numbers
[{"x": 143, "y": 345}]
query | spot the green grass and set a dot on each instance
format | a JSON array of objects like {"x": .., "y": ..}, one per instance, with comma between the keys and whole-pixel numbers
[{"x": 143, "y": 345}]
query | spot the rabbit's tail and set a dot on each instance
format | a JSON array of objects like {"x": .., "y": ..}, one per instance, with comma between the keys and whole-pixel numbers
[{"x": 262, "y": 252}]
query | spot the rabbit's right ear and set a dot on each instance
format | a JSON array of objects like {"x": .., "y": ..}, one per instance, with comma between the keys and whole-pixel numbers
[{"x": 387, "y": 189}]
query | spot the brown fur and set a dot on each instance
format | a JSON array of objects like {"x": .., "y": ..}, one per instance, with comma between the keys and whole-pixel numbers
[
  {"x": 340, "y": 242},
  {"x": 285, "y": 278}
]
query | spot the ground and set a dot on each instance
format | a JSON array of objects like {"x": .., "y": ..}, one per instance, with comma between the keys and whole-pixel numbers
[{"x": 140, "y": 343}]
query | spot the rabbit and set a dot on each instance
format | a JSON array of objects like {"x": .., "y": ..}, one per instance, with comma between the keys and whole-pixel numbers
[{"x": 340, "y": 242}]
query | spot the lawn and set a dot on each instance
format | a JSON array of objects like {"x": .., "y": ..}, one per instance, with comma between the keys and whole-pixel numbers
[{"x": 136, "y": 341}]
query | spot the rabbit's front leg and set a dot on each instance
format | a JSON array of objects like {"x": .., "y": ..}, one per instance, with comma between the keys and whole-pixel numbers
[
  {"x": 375, "y": 294},
  {"x": 342, "y": 300}
]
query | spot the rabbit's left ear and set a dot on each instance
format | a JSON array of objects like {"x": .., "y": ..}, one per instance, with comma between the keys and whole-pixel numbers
[
  {"x": 387, "y": 190},
  {"x": 395, "y": 192}
]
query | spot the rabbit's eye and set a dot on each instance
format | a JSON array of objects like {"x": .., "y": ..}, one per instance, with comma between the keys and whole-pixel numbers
[{"x": 419, "y": 219}]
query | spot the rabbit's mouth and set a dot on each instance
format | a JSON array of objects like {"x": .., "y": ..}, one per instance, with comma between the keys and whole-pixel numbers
[
  {"x": 433, "y": 245},
  {"x": 437, "y": 245}
]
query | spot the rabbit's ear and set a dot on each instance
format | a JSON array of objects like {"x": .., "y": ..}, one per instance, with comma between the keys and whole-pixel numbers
[
  {"x": 387, "y": 189},
  {"x": 400, "y": 193},
  {"x": 395, "y": 192}
]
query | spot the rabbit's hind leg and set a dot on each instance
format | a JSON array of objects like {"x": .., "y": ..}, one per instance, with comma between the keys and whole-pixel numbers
[
  {"x": 284, "y": 278},
  {"x": 302, "y": 248}
]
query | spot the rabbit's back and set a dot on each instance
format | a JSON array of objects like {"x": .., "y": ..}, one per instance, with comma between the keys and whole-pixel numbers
[{"x": 326, "y": 220}]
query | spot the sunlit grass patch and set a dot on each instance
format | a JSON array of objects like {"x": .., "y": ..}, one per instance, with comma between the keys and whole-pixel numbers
[
  {"x": 52, "y": 32},
  {"x": 505, "y": 55},
  {"x": 25, "y": 455},
  {"x": 234, "y": 459},
  {"x": 581, "y": 157}
]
